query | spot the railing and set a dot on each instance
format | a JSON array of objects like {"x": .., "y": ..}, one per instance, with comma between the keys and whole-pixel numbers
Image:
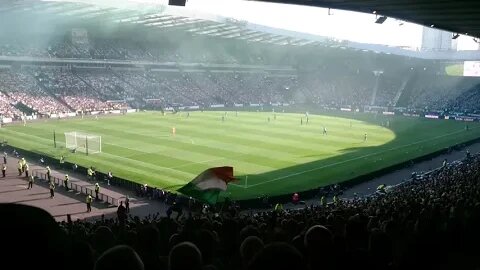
[{"x": 79, "y": 188}]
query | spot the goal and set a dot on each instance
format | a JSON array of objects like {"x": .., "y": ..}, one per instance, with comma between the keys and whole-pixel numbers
[{"x": 83, "y": 142}]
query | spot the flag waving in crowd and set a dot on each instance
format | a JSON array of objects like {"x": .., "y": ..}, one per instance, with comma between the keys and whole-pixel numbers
[{"x": 208, "y": 185}]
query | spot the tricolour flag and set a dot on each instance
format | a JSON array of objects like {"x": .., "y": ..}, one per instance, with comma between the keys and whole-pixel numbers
[{"x": 207, "y": 186}]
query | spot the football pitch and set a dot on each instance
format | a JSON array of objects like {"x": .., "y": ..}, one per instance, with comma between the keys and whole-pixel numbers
[{"x": 270, "y": 157}]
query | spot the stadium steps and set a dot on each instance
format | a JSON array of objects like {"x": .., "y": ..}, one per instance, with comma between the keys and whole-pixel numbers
[
  {"x": 50, "y": 93},
  {"x": 123, "y": 80},
  {"x": 154, "y": 80},
  {"x": 175, "y": 92},
  {"x": 171, "y": 89},
  {"x": 406, "y": 91},
  {"x": 5, "y": 93},
  {"x": 24, "y": 108},
  {"x": 200, "y": 89},
  {"x": 222, "y": 85},
  {"x": 19, "y": 106},
  {"x": 104, "y": 97},
  {"x": 400, "y": 91},
  {"x": 375, "y": 89}
]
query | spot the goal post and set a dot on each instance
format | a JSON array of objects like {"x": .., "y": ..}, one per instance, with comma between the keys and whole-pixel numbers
[{"x": 83, "y": 142}]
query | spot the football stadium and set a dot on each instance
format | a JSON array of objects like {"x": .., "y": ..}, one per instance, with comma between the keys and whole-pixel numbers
[
  {"x": 244, "y": 135},
  {"x": 269, "y": 157}
]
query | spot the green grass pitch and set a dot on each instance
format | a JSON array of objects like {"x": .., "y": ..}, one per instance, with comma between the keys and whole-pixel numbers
[{"x": 277, "y": 157}]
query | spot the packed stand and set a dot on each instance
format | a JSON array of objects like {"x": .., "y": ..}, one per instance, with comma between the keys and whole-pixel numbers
[
  {"x": 22, "y": 48},
  {"x": 87, "y": 104},
  {"x": 338, "y": 91},
  {"x": 428, "y": 222},
  {"x": 140, "y": 85},
  {"x": 438, "y": 92},
  {"x": 248, "y": 88},
  {"x": 62, "y": 48},
  {"x": 22, "y": 87},
  {"x": 177, "y": 91},
  {"x": 40, "y": 102},
  {"x": 105, "y": 83},
  {"x": 6, "y": 107},
  {"x": 136, "y": 47},
  {"x": 67, "y": 85},
  {"x": 388, "y": 87},
  {"x": 467, "y": 101}
]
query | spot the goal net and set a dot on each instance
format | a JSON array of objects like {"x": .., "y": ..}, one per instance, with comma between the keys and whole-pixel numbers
[{"x": 83, "y": 142}]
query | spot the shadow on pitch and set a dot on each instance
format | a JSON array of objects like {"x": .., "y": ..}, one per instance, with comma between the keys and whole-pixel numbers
[{"x": 358, "y": 160}]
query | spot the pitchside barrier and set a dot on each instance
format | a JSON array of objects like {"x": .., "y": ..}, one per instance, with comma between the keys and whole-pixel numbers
[{"x": 79, "y": 188}]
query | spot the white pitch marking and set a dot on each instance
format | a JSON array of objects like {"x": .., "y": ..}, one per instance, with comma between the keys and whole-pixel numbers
[{"x": 352, "y": 159}]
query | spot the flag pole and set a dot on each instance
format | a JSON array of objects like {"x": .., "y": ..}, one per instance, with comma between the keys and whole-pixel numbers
[
  {"x": 246, "y": 181},
  {"x": 54, "y": 140}
]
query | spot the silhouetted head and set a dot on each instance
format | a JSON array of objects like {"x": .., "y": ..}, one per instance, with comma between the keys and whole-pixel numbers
[
  {"x": 27, "y": 230},
  {"x": 119, "y": 257},
  {"x": 278, "y": 256},
  {"x": 185, "y": 256},
  {"x": 250, "y": 247}
]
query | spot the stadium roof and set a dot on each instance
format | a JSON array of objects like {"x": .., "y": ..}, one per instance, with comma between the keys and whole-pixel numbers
[
  {"x": 154, "y": 17},
  {"x": 443, "y": 14},
  {"x": 458, "y": 16}
]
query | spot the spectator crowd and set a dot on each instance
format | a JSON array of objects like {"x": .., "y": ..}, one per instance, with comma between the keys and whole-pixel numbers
[
  {"x": 428, "y": 222},
  {"x": 431, "y": 221},
  {"x": 325, "y": 76},
  {"x": 54, "y": 90}
]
